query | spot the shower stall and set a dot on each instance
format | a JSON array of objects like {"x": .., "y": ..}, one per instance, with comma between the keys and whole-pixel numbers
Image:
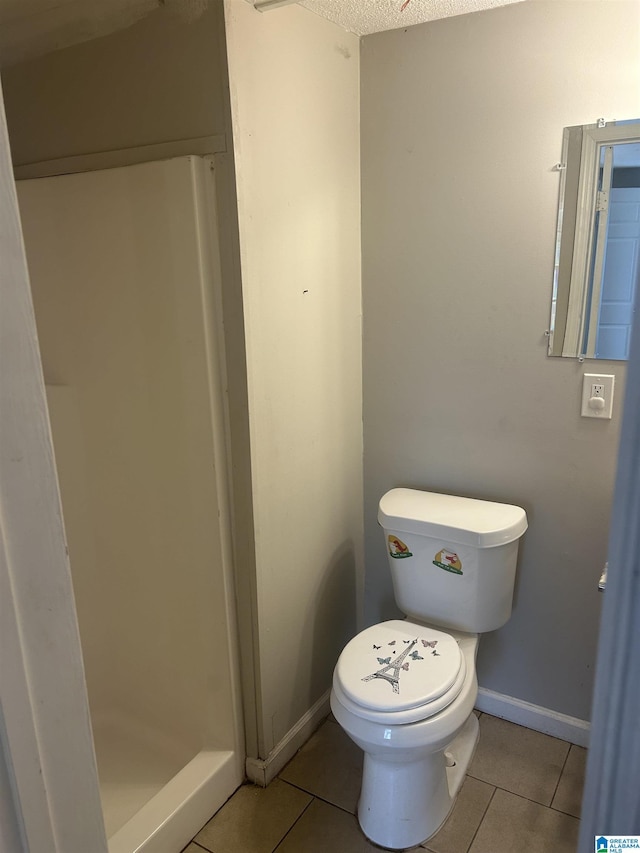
[{"x": 125, "y": 279}]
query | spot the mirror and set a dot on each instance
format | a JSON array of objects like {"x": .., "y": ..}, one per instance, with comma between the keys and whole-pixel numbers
[{"x": 597, "y": 260}]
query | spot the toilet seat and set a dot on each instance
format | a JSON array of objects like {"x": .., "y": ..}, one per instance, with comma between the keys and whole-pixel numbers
[{"x": 399, "y": 672}]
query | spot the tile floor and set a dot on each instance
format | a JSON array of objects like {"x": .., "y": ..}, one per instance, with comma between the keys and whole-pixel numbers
[{"x": 522, "y": 793}]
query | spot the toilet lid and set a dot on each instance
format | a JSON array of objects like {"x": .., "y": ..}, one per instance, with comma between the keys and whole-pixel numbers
[{"x": 398, "y": 665}]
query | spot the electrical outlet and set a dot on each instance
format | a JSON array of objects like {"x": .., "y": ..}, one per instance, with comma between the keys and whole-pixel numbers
[{"x": 597, "y": 396}]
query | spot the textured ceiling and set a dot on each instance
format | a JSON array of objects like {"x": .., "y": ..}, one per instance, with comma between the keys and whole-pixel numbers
[
  {"x": 372, "y": 16},
  {"x": 30, "y": 28}
]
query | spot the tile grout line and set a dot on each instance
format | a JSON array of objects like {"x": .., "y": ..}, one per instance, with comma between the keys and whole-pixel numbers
[
  {"x": 523, "y": 796},
  {"x": 318, "y": 797},
  {"x": 555, "y": 790},
  {"x": 206, "y": 849},
  {"x": 484, "y": 814},
  {"x": 566, "y": 814},
  {"x": 303, "y": 812}
]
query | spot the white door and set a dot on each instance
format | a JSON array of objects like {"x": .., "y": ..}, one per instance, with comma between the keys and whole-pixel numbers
[
  {"x": 620, "y": 277},
  {"x": 47, "y": 747}
]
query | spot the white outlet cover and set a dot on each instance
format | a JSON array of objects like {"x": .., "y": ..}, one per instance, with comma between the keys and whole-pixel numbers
[{"x": 591, "y": 411}]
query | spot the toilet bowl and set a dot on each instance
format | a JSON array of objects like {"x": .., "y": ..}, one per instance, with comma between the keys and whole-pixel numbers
[
  {"x": 404, "y": 690},
  {"x": 415, "y": 752}
]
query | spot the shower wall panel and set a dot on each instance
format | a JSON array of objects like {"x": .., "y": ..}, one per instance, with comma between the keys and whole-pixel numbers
[{"x": 124, "y": 320}]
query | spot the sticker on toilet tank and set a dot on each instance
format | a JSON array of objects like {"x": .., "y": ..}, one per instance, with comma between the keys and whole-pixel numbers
[
  {"x": 397, "y": 548},
  {"x": 449, "y": 561}
]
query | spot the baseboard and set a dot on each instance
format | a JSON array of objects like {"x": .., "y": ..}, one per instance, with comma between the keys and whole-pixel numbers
[
  {"x": 534, "y": 717},
  {"x": 262, "y": 771}
]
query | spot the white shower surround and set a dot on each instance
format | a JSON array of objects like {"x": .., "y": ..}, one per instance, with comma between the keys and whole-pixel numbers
[{"x": 130, "y": 356}]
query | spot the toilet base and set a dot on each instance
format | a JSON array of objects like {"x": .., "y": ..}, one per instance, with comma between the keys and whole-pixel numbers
[{"x": 403, "y": 804}]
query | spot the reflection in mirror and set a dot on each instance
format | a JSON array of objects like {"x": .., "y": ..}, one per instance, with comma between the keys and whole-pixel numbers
[{"x": 597, "y": 262}]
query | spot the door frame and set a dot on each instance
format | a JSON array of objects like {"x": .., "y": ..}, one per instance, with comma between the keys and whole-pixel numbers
[
  {"x": 49, "y": 743},
  {"x": 611, "y": 802}
]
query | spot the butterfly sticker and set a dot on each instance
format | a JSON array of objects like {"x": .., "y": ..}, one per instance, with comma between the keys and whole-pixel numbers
[
  {"x": 406, "y": 642},
  {"x": 435, "y": 653},
  {"x": 392, "y": 643},
  {"x": 416, "y": 656},
  {"x": 405, "y": 665},
  {"x": 431, "y": 644},
  {"x": 375, "y": 647},
  {"x": 384, "y": 660}
]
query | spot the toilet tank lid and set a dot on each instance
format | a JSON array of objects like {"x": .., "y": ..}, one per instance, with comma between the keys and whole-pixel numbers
[{"x": 465, "y": 521}]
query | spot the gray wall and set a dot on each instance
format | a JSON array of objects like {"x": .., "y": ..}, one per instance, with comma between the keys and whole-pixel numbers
[{"x": 461, "y": 125}]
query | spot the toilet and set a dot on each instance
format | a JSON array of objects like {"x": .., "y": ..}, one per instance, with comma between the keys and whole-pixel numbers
[{"x": 404, "y": 690}]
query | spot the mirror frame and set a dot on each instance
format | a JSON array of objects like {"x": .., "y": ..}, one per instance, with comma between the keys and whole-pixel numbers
[{"x": 573, "y": 306}]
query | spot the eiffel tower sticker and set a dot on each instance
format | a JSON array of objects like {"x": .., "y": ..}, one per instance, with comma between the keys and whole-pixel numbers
[{"x": 391, "y": 672}]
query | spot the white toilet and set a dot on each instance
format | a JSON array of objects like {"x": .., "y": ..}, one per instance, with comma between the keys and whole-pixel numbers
[{"x": 404, "y": 690}]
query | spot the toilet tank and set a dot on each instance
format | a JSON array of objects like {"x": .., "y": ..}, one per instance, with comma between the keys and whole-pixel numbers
[{"x": 452, "y": 559}]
